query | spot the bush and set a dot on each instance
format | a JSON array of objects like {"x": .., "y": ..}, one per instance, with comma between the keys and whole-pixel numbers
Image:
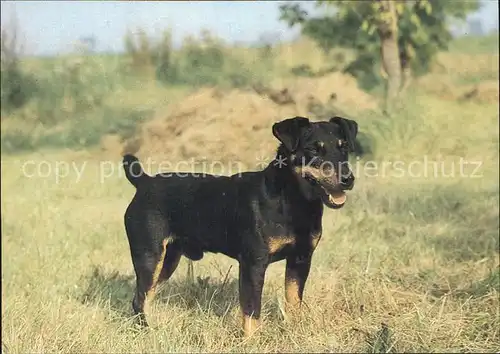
[
  {"x": 162, "y": 57},
  {"x": 86, "y": 129},
  {"x": 59, "y": 89},
  {"x": 200, "y": 61},
  {"x": 75, "y": 85},
  {"x": 204, "y": 62},
  {"x": 17, "y": 88},
  {"x": 302, "y": 70},
  {"x": 139, "y": 49}
]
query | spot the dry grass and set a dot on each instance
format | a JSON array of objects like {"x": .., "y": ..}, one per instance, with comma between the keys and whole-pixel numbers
[
  {"x": 409, "y": 265},
  {"x": 284, "y": 57}
]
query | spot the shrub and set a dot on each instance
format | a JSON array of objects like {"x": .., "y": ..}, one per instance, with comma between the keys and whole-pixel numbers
[
  {"x": 203, "y": 62},
  {"x": 17, "y": 87},
  {"x": 74, "y": 85}
]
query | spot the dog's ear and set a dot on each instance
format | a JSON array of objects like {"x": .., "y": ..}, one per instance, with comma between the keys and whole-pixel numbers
[
  {"x": 349, "y": 128},
  {"x": 288, "y": 131}
]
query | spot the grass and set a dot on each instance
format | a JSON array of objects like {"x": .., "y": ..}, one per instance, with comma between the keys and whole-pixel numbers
[
  {"x": 487, "y": 44},
  {"x": 421, "y": 260},
  {"x": 410, "y": 264},
  {"x": 122, "y": 111},
  {"x": 86, "y": 130}
]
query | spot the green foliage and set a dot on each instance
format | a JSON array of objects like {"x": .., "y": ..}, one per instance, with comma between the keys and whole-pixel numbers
[
  {"x": 57, "y": 90},
  {"x": 17, "y": 87},
  {"x": 85, "y": 129},
  {"x": 422, "y": 24},
  {"x": 201, "y": 61},
  {"x": 302, "y": 70},
  {"x": 16, "y": 140},
  {"x": 138, "y": 48},
  {"x": 163, "y": 59},
  {"x": 74, "y": 85},
  {"x": 341, "y": 30},
  {"x": 423, "y": 32},
  {"x": 204, "y": 62}
]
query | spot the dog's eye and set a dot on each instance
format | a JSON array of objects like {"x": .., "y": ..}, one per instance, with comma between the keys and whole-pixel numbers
[
  {"x": 317, "y": 148},
  {"x": 342, "y": 143},
  {"x": 313, "y": 149}
]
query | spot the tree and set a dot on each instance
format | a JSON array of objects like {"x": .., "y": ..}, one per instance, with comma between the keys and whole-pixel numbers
[
  {"x": 17, "y": 87},
  {"x": 139, "y": 48},
  {"x": 385, "y": 19},
  {"x": 402, "y": 37}
]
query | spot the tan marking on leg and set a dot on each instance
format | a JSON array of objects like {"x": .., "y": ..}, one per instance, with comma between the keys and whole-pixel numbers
[
  {"x": 292, "y": 292},
  {"x": 172, "y": 260},
  {"x": 157, "y": 271},
  {"x": 250, "y": 325},
  {"x": 277, "y": 243}
]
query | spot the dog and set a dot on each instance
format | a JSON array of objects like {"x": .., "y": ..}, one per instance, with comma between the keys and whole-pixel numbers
[{"x": 256, "y": 218}]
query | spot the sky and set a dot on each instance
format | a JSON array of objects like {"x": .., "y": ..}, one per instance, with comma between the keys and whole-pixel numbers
[{"x": 51, "y": 27}]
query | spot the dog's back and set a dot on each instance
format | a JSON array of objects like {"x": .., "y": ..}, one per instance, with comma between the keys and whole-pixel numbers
[{"x": 203, "y": 212}]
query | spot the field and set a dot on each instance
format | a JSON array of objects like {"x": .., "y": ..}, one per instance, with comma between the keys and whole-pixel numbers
[{"x": 410, "y": 264}]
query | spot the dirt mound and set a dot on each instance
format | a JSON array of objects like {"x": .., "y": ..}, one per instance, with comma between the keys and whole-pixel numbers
[
  {"x": 335, "y": 90},
  {"x": 235, "y": 126},
  {"x": 211, "y": 125},
  {"x": 484, "y": 92}
]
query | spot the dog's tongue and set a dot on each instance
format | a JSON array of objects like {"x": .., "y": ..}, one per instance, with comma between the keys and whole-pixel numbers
[{"x": 338, "y": 198}]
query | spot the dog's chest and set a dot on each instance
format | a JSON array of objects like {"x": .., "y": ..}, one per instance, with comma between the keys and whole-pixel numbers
[
  {"x": 276, "y": 244},
  {"x": 288, "y": 228},
  {"x": 286, "y": 240}
]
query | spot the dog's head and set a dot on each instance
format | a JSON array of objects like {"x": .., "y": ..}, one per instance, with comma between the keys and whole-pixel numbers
[{"x": 317, "y": 153}]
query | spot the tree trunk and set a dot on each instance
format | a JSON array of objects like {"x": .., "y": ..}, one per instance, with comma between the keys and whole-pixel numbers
[
  {"x": 388, "y": 31},
  {"x": 406, "y": 57},
  {"x": 407, "y": 79}
]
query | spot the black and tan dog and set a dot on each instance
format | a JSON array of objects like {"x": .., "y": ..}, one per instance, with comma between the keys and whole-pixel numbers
[{"x": 256, "y": 218}]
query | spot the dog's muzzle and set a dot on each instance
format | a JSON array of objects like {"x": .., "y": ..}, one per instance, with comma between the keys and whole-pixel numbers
[
  {"x": 332, "y": 186},
  {"x": 347, "y": 182}
]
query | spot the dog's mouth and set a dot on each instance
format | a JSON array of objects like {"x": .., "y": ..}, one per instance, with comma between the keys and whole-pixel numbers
[{"x": 333, "y": 199}]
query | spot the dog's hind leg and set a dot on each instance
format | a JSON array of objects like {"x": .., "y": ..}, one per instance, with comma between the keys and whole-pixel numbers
[
  {"x": 148, "y": 268},
  {"x": 170, "y": 263}
]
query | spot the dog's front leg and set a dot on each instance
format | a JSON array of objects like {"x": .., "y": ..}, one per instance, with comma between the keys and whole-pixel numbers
[
  {"x": 297, "y": 271},
  {"x": 251, "y": 279}
]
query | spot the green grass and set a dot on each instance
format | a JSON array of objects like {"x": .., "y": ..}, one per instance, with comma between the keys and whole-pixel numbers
[
  {"x": 85, "y": 130},
  {"x": 120, "y": 113},
  {"x": 487, "y": 44},
  {"x": 476, "y": 78}
]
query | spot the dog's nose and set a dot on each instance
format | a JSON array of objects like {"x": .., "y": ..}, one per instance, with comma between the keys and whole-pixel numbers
[{"x": 347, "y": 182}]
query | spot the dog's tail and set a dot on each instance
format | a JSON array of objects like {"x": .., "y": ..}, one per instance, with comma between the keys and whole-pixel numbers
[{"x": 133, "y": 170}]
